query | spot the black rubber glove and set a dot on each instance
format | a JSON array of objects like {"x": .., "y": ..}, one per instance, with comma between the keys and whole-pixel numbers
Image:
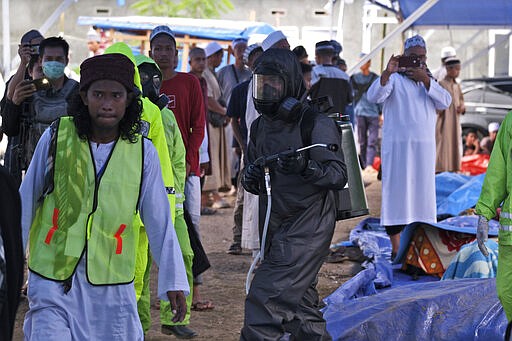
[
  {"x": 295, "y": 163},
  {"x": 252, "y": 177}
]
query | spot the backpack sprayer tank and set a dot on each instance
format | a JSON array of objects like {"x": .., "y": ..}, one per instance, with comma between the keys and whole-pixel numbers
[{"x": 351, "y": 200}]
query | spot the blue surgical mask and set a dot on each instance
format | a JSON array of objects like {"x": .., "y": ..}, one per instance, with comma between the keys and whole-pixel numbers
[{"x": 53, "y": 69}]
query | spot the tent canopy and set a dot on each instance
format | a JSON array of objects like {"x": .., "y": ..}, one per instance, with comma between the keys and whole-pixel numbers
[
  {"x": 188, "y": 31},
  {"x": 448, "y": 13},
  {"x": 472, "y": 13},
  {"x": 224, "y": 30}
]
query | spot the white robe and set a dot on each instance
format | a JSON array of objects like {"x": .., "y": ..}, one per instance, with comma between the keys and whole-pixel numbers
[
  {"x": 408, "y": 150},
  {"x": 107, "y": 312},
  {"x": 250, "y": 229}
]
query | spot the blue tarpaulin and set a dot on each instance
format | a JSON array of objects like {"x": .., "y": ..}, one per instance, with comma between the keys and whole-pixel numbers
[
  {"x": 456, "y": 193},
  {"x": 461, "y": 12},
  {"x": 373, "y": 241},
  {"x": 464, "y": 309},
  {"x": 426, "y": 309},
  {"x": 382, "y": 303},
  {"x": 226, "y": 30}
]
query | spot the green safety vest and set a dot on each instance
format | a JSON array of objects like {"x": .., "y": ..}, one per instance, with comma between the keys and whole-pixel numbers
[{"x": 86, "y": 212}]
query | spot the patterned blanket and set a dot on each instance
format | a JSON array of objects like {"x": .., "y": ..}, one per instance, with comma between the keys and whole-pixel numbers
[
  {"x": 471, "y": 263},
  {"x": 431, "y": 249}
]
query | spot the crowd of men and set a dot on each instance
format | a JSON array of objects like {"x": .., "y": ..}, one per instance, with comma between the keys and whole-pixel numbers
[{"x": 168, "y": 143}]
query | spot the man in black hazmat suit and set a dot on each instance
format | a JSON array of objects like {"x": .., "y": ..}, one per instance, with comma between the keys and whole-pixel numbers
[{"x": 283, "y": 296}]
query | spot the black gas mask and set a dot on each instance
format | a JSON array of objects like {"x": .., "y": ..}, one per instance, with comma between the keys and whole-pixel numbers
[
  {"x": 271, "y": 100},
  {"x": 278, "y": 85},
  {"x": 151, "y": 80}
]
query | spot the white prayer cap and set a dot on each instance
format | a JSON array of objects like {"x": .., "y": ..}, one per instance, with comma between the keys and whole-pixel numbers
[
  {"x": 249, "y": 50},
  {"x": 93, "y": 35},
  {"x": 272, "y": 39},
  {"x": 448, "y": 51},
  {"x": 451, "y": 61},
  {"x": 493, "y": 126},
  {"x": 212, "y": 48}
]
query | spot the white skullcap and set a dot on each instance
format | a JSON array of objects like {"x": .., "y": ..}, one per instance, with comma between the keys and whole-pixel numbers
[
  {"x": 93, "y": 35},
  {"x": 272, "y": 39},
  {"x": 493, "y": 126},
  {"x": 451, "y": 61},
  {"x": 212, "y": 48},
  {"x": 448, "y": 51},
  {"x": 249, "y": 50}
]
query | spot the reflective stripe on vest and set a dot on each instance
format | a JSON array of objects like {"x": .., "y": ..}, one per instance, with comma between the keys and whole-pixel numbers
[
  {"x": 54, "y": 226},
  {"x": 506, "y": 227},
  {"x": 505, "y": 215},
  {"x": 505, "y": 221},
  {"x": 84, "y": 211}
]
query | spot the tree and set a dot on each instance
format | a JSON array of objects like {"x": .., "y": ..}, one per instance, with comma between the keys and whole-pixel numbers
[{"x": 199, "y": 9}]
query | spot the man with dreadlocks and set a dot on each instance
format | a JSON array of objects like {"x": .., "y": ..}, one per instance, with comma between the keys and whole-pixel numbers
[{"x": 89, "y": 176}]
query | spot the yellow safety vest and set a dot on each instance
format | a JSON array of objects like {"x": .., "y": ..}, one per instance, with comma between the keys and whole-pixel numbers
[{"x": 86, "y": 212}]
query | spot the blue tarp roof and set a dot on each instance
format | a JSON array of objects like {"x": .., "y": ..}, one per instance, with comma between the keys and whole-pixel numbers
[
  {"x": 195, "y": 28},
  {"x": 461, "y": 12}
]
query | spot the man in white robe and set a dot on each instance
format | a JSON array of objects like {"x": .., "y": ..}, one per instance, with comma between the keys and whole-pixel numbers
[
  {"x": 75, "y": 309},
  {"x": 410, "y": 97}
]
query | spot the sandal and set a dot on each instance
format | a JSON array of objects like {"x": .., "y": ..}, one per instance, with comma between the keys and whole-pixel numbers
[{"x": 202, "y": 306}]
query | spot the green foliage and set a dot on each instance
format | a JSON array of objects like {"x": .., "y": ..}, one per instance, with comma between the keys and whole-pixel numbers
[{"x": 200, "y": 9}]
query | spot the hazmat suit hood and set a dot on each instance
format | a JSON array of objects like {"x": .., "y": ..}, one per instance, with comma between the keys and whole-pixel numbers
[
  {"x": 151, "y": 80},
  {"x": 278, "y": 85}
]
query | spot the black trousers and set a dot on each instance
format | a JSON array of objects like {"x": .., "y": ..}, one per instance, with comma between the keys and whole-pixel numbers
[
  {"x": 283, "y": 296},
  {"x": 10, "y": 231}
]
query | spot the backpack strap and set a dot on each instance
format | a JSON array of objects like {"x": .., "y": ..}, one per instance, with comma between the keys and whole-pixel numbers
[
  {"x": 307, "y": 123},
  {"x": 50, "y": 161}
]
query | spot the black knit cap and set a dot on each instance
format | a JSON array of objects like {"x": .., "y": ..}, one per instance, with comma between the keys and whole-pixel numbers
[{"x": 112, "y": 66}]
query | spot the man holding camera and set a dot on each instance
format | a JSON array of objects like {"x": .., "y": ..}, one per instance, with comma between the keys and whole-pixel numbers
[
  {"x": 410, "y": 97},
  {"x": 28, "y": 51},
  {"x": 283, "y": 297},
  {"x": 37, "y": 103}
]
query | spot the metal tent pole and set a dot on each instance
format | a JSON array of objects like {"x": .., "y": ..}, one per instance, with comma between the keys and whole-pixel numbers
[
  {"x": 6, "y": 32},
  {"x": 397, "y": 31},
  {"x": 47, "y": 24}
]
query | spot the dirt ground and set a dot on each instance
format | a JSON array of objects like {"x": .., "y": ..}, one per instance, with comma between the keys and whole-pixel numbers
[{"x": 224, "y": 282}]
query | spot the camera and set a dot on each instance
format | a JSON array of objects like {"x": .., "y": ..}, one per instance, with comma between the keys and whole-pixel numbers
[
  {"x": 41, "y": 83},
  {"x": 409, "y": 61},
  {"x": 34, "y": 49}
]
